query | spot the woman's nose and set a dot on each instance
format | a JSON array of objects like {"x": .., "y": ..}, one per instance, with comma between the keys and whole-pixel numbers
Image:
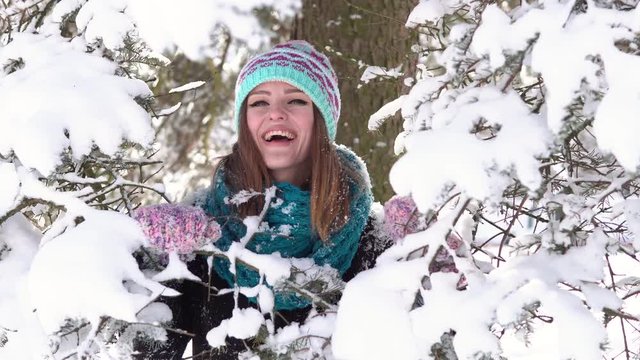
[{"x": 276, "y": 112}]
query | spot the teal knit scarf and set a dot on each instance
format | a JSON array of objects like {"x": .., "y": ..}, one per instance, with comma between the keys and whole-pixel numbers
[{"x": 289, "y": 231}]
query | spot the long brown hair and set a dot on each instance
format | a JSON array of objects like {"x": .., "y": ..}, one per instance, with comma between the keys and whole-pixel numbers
[{"x": 245, "y": 169}]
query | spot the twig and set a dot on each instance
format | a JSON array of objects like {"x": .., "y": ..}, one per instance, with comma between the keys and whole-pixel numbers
[
  {"x": 7, "y": 329},
  {"x": 545, "y": 318},
  {"x": 174, "y": 330},
  {"x": 613, "y": 287},
  {"x": 25, "y": 203},
  {"x": 508, "y": 230},
  {"x": 375, "y": 13}
]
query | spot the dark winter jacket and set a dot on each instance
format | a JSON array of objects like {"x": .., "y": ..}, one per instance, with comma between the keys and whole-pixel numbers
[{"x": 196, "y": 312}]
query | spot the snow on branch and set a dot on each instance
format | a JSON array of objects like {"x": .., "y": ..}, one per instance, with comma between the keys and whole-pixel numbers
[
  {"x": 41, "y": 116},
  {"x": 187, "y": 87},
  {"x": 473, "y": 146}
]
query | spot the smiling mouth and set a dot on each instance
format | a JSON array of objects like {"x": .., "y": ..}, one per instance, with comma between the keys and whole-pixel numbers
[{"x": 278, "y": 135}]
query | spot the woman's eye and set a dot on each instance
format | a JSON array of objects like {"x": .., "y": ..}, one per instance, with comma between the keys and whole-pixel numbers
[
  {"x": 258, "y": 103},
  {"x": 298, "y": 102}
]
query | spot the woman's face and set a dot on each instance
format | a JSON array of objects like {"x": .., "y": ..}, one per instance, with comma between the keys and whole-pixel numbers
[{"x": 280, "y": 120}]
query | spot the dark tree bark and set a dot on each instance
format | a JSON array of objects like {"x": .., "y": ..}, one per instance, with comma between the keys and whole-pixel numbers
[{"x": 371, "y": 31}]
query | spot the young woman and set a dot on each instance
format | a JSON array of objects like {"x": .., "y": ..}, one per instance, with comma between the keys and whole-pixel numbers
[{"x": 287, "y": 106}]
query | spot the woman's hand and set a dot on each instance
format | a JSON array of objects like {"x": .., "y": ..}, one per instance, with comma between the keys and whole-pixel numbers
[
  {"x": 177, "y": 228},
  {"x": 401, "y": 217}
]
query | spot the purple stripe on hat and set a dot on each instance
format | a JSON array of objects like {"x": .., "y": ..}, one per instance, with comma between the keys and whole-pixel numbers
[
  {"x": 282, "y": 60},
  {"x": 279, "y": 56},
  {"x": 318, "y": 60},
  {"x": 318, "y": 56}
]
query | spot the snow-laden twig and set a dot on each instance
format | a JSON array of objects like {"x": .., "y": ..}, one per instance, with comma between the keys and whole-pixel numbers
[{"x": 186, "y": 87}]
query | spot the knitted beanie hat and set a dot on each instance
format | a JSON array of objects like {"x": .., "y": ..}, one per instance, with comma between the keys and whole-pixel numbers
[{"x": 298, "y": 64}]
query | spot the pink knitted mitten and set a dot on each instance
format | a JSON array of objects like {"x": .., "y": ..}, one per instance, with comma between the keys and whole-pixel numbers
[{"x": 177, "y": 228}]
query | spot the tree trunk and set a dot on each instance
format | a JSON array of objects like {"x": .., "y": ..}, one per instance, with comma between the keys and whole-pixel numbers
[{"x": 371, "y": 32}]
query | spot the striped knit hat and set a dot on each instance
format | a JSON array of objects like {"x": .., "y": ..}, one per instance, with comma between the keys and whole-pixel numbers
[{"x": 298, "y": 64}]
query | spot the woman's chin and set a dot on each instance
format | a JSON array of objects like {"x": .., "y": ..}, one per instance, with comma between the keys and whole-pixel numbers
[
  {"x": 290, "y": 171},
  {"x": 280, "y": 165}
]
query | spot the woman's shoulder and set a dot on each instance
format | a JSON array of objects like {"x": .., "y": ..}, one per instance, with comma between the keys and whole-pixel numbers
[
  {"x": 354, "y": 166},
  {"x": 212, "y": 196},
  {"x": 197, "y": 197}
]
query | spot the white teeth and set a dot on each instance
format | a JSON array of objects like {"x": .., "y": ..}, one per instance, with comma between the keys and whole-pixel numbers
[{"x": 269, "y": 135}]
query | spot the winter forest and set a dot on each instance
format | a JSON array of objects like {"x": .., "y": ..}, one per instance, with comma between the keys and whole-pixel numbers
[{"x": 502, "y": 138}]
